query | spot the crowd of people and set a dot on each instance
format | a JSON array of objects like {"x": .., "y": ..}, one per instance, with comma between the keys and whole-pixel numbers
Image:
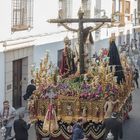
[
  {"x": 9, "y": 118},
  {"x": 136, "y": 63}
]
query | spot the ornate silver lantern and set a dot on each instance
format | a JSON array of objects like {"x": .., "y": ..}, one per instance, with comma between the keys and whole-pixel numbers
[{"x": 110, "y": 136}]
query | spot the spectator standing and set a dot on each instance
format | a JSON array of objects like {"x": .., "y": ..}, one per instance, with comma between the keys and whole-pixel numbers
[
  {"x": 78, "y": 133},
  {"x": 114, "y": 126},
  {"x": 7, "y": 115},
  {"x": 29, "y": 91},
  {"x": 138, "y": 62},
  {"x": 136, "y": 76},
  {"x": 21, "y": 128}
]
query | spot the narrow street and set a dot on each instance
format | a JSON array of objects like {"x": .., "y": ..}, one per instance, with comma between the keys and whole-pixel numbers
[
  {"x": 61, "y": 63},
  {"x": 132, "y": 126}
]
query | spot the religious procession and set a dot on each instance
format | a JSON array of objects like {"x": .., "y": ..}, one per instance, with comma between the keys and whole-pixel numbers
[
  {"x": 64, "y": 96},
  {"x": 73, "y": 77}
]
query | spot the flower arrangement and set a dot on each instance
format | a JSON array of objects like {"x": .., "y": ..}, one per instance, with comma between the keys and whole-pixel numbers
[{"x": 97, "y": 83}]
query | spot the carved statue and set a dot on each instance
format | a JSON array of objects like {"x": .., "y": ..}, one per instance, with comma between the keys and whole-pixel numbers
[
  {"x": 50, "y": 121},
  {"x": 109, "y": 106},
  {"x": 69, "y": 110},
  {"x": 84, "y": 111},
  {"x": 97, "y": 112}
]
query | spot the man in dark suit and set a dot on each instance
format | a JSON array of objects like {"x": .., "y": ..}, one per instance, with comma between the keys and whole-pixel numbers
[
  {"x": 114, "y": 126},
  {"x": 78, "y": 133},
  {"x": 21, "y": 128},
  {"x": 136, "y": 77},
  {"x": 29, "y": 91}
]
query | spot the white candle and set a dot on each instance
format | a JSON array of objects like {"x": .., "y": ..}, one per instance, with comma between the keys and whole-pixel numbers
[
  {"x": 85, "y": 77},
  {"x": 58, "y": 78},
  {"x": 113, "y": 68}
]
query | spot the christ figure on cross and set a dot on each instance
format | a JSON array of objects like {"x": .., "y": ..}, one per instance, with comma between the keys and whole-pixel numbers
[{"x": 80, "y": 32}]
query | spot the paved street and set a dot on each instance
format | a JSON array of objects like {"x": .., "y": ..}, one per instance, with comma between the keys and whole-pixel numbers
[{"x": 131, "y": 127}]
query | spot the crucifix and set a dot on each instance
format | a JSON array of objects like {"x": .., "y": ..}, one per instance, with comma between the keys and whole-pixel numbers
[{"x": 80, "y": 20}]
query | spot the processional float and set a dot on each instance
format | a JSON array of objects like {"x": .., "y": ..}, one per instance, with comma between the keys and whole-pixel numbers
[
  {"x": 61, "y": 98},
  {"x": 59, "y": 101}
]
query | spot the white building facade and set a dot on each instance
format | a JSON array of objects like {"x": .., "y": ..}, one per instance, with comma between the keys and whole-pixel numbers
[{"x": 26, "y": 35}]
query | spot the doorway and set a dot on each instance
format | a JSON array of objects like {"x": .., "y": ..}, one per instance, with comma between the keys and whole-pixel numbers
[{"x": 17, "y": 86}]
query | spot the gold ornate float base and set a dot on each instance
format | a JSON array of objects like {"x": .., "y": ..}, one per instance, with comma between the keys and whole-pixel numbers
[
  {"x": 93, "y": 127},
  {"x": 70, "y": 109}
]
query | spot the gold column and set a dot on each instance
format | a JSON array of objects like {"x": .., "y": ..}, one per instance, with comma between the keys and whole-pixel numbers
[
  {"x": 77, "y": 109},
  {"x": 90, "y": 111},
  {"x": 58, "y": 109}
]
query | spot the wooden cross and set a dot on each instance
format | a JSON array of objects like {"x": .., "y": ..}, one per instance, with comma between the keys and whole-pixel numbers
[{"x": 80, "y": 20}]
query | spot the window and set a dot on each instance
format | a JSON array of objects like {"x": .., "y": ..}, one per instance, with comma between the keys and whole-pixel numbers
[
  {"x": 65, "y": 8},
  {"x": 86, "y": 4},
  {"x": 127, "y": 7},
  {"x": 116, "y": 6},
  {"x": 116, "y": 9},
  {"x": 22, "y": 15},
  {"x": 127, "y": 11}
]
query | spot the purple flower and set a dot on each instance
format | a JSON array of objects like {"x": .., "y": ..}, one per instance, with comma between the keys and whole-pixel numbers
[{"x": 99, "y": 88}]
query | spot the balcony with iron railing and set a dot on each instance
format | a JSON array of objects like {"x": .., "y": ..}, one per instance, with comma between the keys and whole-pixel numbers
[
  {"x": 20, "y": 27},
  {"x": 137, "y": 19},
  {"x": 22, "y": 15}
]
